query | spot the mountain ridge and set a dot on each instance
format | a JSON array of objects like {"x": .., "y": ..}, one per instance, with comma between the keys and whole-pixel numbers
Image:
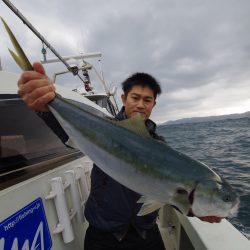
[{"x": 207, "y": 118}]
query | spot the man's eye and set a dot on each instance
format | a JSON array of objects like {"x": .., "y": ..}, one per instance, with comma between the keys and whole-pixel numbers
[{"x": 135, "y": 98}]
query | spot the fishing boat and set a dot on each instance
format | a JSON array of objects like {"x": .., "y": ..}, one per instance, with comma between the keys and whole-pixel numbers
[{"x": 44, "y": 184}]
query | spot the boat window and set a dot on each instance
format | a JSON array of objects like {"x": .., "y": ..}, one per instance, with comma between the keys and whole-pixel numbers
[{"x": 24, "y": 137}]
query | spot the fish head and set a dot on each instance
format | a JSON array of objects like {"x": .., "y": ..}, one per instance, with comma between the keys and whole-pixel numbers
[{"x": 214, "y": 197}]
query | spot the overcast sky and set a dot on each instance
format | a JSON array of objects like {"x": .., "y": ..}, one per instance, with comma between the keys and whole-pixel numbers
[{"x": 198, "y": 50}]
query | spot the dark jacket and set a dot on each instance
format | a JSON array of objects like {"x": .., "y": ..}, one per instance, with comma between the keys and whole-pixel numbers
[{"x": 111, "y": 206}]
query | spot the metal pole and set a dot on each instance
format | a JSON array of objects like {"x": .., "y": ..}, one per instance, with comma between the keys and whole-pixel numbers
[{"x": 1, "y": 65}]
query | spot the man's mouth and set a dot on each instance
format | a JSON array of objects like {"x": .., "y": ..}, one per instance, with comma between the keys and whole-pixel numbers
[{"x": 139, "y": 113}]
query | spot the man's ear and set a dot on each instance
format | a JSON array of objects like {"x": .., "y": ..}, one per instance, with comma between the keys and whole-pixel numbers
[
  {"x": 154, "y": 103},
  {"x": 123, "y": 99}
]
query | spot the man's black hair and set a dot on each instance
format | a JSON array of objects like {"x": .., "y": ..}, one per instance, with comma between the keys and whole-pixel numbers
[{"x": 141, "y": 79}]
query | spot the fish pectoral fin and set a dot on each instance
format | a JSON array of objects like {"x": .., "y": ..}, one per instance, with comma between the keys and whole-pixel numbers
[
  {"x": 143, "y": 199},
  {"x": 135, "y": 124},
  {"x": 181, "y": 201},
  {"x": 148, "y": 206}
]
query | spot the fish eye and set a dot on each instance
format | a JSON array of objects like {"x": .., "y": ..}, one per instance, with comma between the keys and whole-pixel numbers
[{"x": 227, "y": 198}]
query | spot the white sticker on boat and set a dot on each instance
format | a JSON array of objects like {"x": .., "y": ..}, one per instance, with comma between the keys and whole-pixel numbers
[{"x": 27, "y": 229}]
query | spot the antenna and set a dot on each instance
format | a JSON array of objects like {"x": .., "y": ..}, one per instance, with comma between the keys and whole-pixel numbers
[
  {"x": 101, "y": 71},
  {"x": 74, "y": 69}
]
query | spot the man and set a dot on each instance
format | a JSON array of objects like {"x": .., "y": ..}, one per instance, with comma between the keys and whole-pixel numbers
[{"x": 111, "y": 208}]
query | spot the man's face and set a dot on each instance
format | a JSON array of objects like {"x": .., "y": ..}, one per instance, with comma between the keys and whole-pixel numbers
[{"x": 139, "y": 100}]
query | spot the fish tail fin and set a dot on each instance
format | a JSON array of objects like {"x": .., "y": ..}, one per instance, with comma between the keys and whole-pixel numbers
[{"x": 19, "y": 57}]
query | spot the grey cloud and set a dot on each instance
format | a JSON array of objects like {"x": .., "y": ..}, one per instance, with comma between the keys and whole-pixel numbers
[{"x": 187, "y": 45}]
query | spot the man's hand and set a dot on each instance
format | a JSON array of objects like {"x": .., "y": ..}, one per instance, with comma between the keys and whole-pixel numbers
[
  {"x": 210, "y": 219},
  {"x": 36, "y": 89}
]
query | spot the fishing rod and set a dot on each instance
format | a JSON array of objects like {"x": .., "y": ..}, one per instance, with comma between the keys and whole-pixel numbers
[{"x": 73, "y": 69}]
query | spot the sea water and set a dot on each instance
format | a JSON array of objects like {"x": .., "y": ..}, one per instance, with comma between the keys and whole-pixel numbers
[{"x": 225, "y": 147}]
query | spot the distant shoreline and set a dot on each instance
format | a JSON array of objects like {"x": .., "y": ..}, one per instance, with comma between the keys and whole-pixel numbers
[{"x": 207, "y": 119}]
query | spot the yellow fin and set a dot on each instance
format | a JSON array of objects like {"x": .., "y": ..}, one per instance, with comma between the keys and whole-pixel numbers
[
  {"x": 148, "y": 206},
  {"x": 20, "y": 58},
  {"x": 17, "y": 59},
  {"x": 135, "y": 124}
]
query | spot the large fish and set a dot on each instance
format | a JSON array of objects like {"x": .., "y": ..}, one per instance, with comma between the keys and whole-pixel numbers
[{"x": 126, "y": 152}]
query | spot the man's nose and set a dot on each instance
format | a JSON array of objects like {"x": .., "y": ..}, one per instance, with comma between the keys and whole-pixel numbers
[{"x": 140, "y": 104}]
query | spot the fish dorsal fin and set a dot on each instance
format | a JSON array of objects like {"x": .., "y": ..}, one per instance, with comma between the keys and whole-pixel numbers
[
  {"x": 148, "y": 206},
  {"x": 135, "y": 124}
]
